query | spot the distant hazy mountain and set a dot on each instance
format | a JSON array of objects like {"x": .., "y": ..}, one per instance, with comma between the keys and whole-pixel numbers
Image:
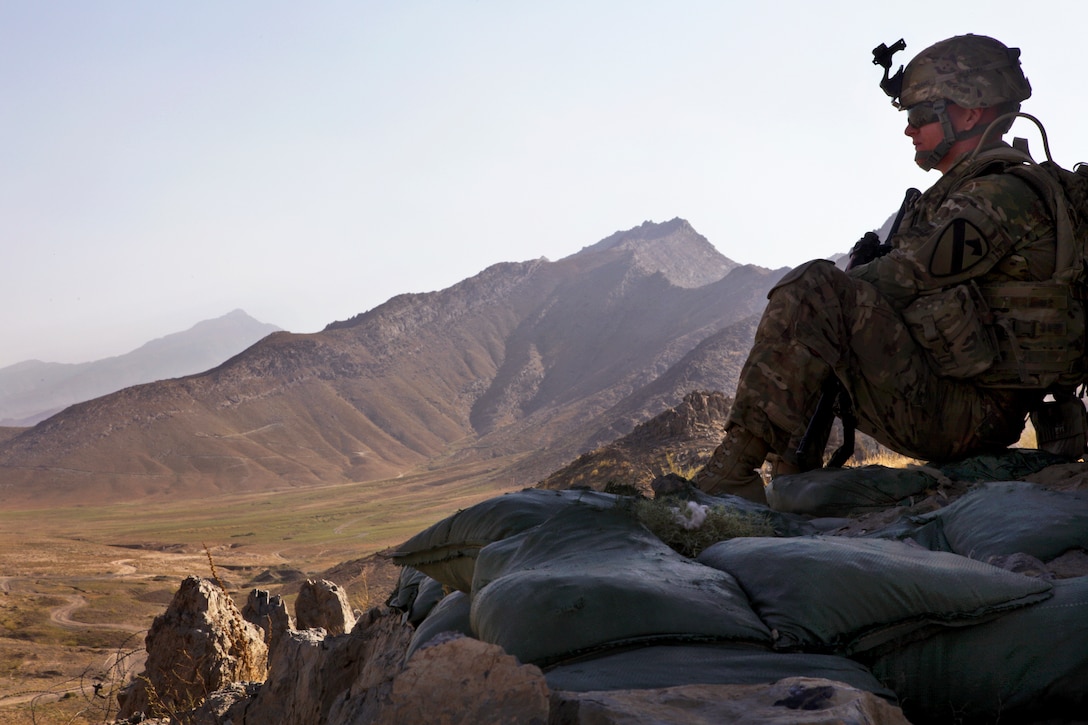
[
  {"x": 31, "y": 391},
  {"x": 530, "y": 362}
]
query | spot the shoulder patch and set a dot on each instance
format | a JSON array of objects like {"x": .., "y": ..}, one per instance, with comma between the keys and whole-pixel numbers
[{"x": 960, "y": 246}]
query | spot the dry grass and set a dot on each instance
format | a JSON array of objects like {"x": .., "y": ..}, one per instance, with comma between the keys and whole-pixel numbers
[{"x": 880, "y": 456}]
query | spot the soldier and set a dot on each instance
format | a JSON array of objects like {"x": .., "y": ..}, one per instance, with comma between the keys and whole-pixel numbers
[{"x": 909, "y": 334}]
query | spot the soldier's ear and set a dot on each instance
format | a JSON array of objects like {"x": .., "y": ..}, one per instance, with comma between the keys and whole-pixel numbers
[{"x": 970, "y": 117}]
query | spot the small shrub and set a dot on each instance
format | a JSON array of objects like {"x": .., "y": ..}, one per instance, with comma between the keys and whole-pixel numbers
[
  {"x": 689, "y": 530},
  {"x": 622, "y": 489}
]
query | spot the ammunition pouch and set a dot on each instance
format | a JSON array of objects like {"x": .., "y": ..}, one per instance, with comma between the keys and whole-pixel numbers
[
  {"x": 1027, "y": 335},
  {"x": 950, "y": 326}
]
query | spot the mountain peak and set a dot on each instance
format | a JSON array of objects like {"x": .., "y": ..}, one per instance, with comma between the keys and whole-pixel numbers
[{"x": 672, "y": 248}]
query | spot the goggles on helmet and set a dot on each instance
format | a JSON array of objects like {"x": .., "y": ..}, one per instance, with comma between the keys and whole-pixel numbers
[{"x": 921, "y": 114}]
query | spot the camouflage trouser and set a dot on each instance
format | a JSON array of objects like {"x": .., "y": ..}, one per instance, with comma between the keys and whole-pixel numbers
[{"x": 820, "y": 321}]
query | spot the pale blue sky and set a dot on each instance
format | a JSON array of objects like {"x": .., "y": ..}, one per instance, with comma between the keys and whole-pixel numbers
[{"x": 167, "y": 162}]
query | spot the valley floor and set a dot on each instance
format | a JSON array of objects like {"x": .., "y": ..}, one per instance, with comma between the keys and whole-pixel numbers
[{"x": 80, "y": 586}]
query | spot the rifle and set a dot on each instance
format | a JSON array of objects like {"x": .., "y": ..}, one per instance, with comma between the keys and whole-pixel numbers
[{"x": 810, "y": 451}]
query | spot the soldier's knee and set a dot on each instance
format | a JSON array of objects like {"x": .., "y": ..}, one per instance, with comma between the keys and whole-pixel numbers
[{"x": 814, "y": 273}]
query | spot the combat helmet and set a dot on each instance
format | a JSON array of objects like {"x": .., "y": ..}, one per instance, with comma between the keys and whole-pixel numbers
[{"x": 972, "y": 71}]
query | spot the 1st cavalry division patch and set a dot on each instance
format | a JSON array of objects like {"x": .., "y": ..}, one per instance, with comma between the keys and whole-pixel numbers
[{"x": 960, "y": 247}]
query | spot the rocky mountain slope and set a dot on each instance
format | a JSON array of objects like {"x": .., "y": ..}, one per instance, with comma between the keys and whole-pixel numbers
[
  {"x": 33, "y": 390},
  {"x": 518, "y": 358},
  {"x": 679, "y": 440}
]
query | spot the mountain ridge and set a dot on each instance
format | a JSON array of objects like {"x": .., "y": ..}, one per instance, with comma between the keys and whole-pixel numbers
[
  {"x": 32, "y": 390},
  {"x": 508, "y": 362}
]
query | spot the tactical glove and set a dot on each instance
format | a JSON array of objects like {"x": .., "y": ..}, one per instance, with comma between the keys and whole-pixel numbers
[{"x": 866, "y": 250}]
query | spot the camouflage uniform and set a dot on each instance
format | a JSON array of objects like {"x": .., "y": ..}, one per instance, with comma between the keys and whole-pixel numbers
[
  {"x": 820, "y": 320},
  {"x": 944, "y": 344}
]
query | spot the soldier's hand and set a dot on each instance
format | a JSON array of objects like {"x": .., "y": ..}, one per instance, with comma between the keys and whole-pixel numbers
[{"x": 866, "y": 250}]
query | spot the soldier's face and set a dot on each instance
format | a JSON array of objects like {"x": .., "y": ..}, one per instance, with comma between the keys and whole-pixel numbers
[
  {"x": 925, "y": 132},
  {"x": 925, "y": 135}
]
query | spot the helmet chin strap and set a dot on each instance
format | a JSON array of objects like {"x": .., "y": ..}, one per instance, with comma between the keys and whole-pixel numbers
[{"x": 929, "y": 159}]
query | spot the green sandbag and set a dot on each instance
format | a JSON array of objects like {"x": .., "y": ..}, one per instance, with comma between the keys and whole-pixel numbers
[
  {"x": 842, "y": 491},
  {"x": 415, "y": 595},
  {"x": 1029, "y": 665},
  {"x": 1011, "y": 464},
  {"x": 658, "y": 666},
  {"x": 845, "y": 596},
  {"x": 845, "y": 491},
  {"x": 588, "y": 579},
  {"x": 447, "y": 550},
  {"x": 1009, "y": 517},
  {"x": 449, "y": 615}
]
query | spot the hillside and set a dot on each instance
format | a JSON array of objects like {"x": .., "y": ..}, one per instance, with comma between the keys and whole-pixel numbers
[
  {"x": 513, "y": 360},
  {"x": 33, "y": 390},
  {"x": 677, "y": 440}
]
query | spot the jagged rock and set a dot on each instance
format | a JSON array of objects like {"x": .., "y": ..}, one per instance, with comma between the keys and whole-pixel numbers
[
  {"x": 222, "y": 706},
  {"x": 463, "y": 681},
  {"x": 792, "y": 701},
  {"x": 314, "y": 678},
  {"x": 200, "y": 644},
  {"x": 322, "y": 604},
  {"x": 676, "y": 441},
  {"x": 270, "y": 614}
]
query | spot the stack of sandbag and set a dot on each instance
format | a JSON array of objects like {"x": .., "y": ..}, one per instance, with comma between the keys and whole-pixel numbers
[
  {"x": 574, "y": 584},
  {"x": 602, "y": 604},
  {"x": 587, "y": 579}
]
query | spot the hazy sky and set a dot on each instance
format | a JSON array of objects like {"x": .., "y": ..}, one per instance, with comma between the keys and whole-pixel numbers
[{"x": 163, "y": 163}]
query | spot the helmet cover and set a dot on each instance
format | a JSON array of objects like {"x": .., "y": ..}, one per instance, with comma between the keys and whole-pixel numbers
[{"x": 972, "y": 71}]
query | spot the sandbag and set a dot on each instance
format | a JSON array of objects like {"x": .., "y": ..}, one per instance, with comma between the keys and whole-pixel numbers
[
  {"x": 843, "y": 491},
  {"x": 449, "y": 615},
  {"x": 415, "y": 595},
  {"x": 590, "y": 578},
  {"x": 1028, "y": 665},
  {"x": 658, "y": 666},
  {"x": 846, "y": 596},
  {"x": 1009, "y": 517},
  {"x": 1010, "y": 464},
  {"x": 447, "y": 550}
]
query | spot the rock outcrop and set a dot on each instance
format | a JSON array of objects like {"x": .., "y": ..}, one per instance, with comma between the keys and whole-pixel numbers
[
  {"x": 269, "y": 612},
  {"x": 199, "y": 645},
  {"x": 463, "y": 681},
  {"x": 323, "y": 605}
]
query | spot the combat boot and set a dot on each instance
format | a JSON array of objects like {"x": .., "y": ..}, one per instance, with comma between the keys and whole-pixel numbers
[
  {"x": 781, "y": 466},
  {"x": 732, "y": 467}
]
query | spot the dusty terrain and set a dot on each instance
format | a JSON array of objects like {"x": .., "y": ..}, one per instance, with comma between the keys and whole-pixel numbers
[{"x": 79, "y": 586}]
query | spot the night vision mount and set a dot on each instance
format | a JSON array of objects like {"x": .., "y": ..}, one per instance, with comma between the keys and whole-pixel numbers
[{"x": 882, "y": 56}]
